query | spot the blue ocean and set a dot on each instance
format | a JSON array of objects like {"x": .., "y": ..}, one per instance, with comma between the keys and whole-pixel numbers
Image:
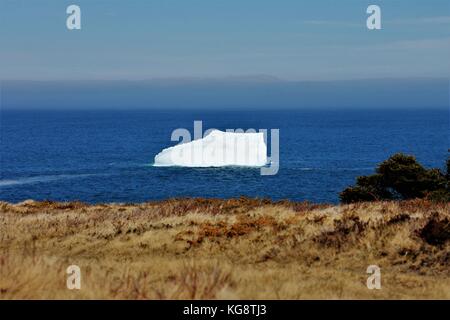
[{"x": 107, "y": 156}]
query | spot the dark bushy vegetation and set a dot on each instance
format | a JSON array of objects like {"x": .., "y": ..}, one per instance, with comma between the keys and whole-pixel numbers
[{"x": 400, "y": 177}]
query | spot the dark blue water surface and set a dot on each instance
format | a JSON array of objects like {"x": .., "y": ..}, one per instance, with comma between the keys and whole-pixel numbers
[{"x": 106, "y": 156}]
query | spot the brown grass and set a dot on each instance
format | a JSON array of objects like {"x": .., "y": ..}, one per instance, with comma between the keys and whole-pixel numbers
[{"x": 219, "y": 249}]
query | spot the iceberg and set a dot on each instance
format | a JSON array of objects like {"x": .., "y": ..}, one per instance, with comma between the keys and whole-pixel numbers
[{"x": 217, "y": 149}]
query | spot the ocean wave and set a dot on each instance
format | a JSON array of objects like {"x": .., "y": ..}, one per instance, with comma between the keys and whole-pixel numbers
[{"x": 40, "y": 179}]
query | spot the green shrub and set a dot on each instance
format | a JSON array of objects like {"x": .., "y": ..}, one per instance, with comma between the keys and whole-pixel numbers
[{"x": 400, "y": 177}]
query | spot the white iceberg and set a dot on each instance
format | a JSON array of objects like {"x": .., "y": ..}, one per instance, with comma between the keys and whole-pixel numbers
[{"x": 217, "y": 149}]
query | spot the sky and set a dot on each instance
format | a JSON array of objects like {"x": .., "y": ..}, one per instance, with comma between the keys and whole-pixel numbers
[{"x": 292, "y": 40}]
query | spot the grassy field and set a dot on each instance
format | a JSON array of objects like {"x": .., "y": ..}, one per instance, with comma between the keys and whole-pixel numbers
[{"x": 224, "y": 249}]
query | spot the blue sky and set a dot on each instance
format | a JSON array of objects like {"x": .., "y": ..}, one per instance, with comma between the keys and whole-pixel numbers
[{"x": 293, "y": 40}]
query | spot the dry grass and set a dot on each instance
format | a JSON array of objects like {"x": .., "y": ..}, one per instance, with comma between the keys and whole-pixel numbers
[{"x": 221, "y": 249}]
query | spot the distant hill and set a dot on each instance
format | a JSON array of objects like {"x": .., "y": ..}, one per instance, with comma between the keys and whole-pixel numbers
[{"x": 252, "y": 92}]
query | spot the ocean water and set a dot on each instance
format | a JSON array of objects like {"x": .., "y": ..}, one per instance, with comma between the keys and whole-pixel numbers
[{"x": 107, "y": 156}]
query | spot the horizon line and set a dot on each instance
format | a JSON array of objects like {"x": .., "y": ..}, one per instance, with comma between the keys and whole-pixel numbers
[{"x": 247, "y": 78}]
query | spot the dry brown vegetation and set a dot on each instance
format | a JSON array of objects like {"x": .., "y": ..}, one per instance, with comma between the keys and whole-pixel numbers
[{"x": 221, "y": 249}]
